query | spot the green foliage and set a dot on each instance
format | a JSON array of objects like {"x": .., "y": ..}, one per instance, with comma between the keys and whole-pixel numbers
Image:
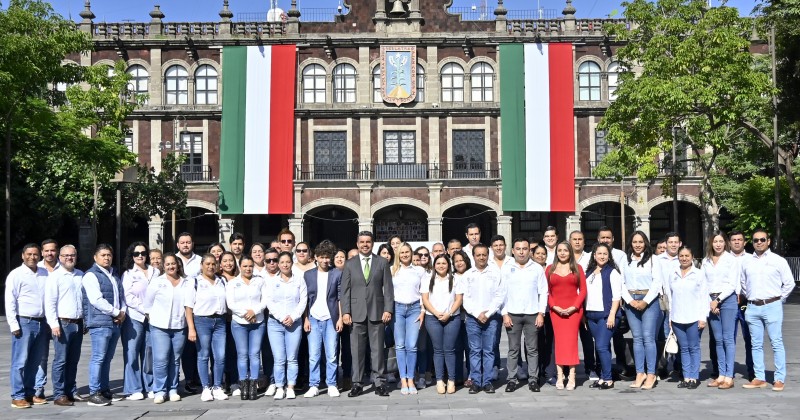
[
  {"x": 157, "y": 194},
  {"x": 753, "y": 203}
]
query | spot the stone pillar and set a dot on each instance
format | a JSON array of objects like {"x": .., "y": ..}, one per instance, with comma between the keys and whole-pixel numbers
[
  {"x": 569, "y": 11},
  {"x": 573, "y": 223},
  {"x": 156, "y": 22},
  {"x": 365, "y": 201},
  {"x": 225, "y": 24},
  {"x": 504, "y": 227},
  {"x": 501, "y": 22},
  {"x": 435, "y": 229},
  {"x": 365, "y": 224},
  {"x": 644, "y": 224},
  {"x": 296, "y": 226},
  {"x": 225, "y": 231},
  {"x": 88, "y": 16},
  {"x": 155, "y": 236}
]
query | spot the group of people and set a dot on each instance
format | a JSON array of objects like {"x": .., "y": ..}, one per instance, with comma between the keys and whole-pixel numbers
[{"x": 242, "y": 322}]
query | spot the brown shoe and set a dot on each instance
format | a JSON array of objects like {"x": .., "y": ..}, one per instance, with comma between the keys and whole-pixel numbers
[
  {"x": 20, "y": 404},
  {"x": 63, "y": 401},
  {"x": 777, "y": 386},
  {"x": 39, "y": 400},
  {"x": 726, "y": 385},
  {"x": 713, "y": 384},
  {"x": 755, "y": 383}
]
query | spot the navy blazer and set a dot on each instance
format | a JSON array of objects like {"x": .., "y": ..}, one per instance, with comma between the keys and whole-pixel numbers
[{"x": 332, "y": 297}]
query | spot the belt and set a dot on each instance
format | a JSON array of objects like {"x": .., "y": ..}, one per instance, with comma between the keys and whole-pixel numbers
[
  {"x": 638, "y": 292},
  {"x": 71, "y": 321},
  {"x": 33, "y": 318},
  {"x": 762, "y": 302},
  {"x": 212, "y": 316}
]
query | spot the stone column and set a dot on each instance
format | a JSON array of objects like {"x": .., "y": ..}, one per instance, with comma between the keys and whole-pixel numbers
[
  {"x": 644, "y": 224},
  {"x": 573, "y": 223},
  {"x": 504, "y": 227},
  {"x": 365, "y": 224},
  {"x": 296, "y": 226},
  {"x": 225, "y": 231},
  {"x": 365, "y": 200},
  {"x": 155, "y": 236},
  {"x": 435, "y": 229}
]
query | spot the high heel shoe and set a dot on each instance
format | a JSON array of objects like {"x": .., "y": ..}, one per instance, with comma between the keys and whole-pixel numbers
[
  {"x": 451, "y": 387},
  {"x": 571, "y": 380},
  {"x": 640, "y": 377},
  {"x": 559, "y": 377},
  {"x": 651, "y": 381}
]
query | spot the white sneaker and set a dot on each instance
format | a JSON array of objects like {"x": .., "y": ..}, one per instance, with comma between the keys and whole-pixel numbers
[
  {"x": 593, "y": 376},
  {"x": 333, "y": 391},
  {"x": 159, "y": 399},
  {"x": 278, "y": 394},
  {"x": 174, "y": 396},
  {"x": 206, "y": 395},
  {"x": 270, "y": 390},
  {"x": 311, "y": 393},
  {"x": 495, "y": 373},
  {"x": 235, "y": 391},
  {"x": 151, "y": 395},
  {"x": 219, "y": 394},
  {"x": 136, "y": 396},
  {"x": 290, "y": 394}
]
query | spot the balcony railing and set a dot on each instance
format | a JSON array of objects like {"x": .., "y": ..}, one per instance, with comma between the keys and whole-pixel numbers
[
  {"x": 379, "y": 172},
  {"x": 685, "y": 168},
  {"x": 196, "y": 174}
]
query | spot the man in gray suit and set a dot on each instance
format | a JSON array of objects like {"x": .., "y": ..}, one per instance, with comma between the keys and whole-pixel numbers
[{"x": 367, "y": 304}]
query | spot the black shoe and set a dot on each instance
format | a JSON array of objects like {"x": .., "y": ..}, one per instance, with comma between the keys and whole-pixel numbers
[
  {"x": 534, "y": 386},
  {"x": 254, "y": 389},
  {"x": 98, "y": 400},
  {"x": 511, "y": 386},
  {"x": 113, "y": 397},
  {"x": 474, "y": 389},
  {"x": 382, "y": 391},
  {"x": 77, "y": 397},
  {"x": 355, "y": 390},
  {"x": 663, "y": 374},
  {"x": 683, "y": 384},
  {"x": 191, "y": 388},
  {"x": 244, "y": 389},
  {"x": 345, "y": 384},
  {"x": 693, "y": 384},
  {"x": 606, "y": 385},
  {"x": 489, "y": 389},
  {"x": 596, "y": 384}
]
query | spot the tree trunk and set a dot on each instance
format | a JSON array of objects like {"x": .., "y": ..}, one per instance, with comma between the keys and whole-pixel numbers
[
  {"x": 788, "y": 161},
  {"x": 7, "y": 227}
]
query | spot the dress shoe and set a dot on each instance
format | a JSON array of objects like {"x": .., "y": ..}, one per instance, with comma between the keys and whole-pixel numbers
[
  {"x": 511, "y": 386},
  {"x": 191, "y": 388},
  {"x": 63, "y": 401},
  {"x": 683, "y": 384},
  {"x": 37, "y": 400},
  {"x": 489, "y": 389},
  {"x": 607, "y": 385},
  {"x": 468, "y": 383},
  {"x": 693, "y": 384},
  {"x": 650, "y": 382},
  {"x": 596, "y": 385},
  {"x": 382, "y": 391},
  {"x": 346, "y": 384},
  {"x": 777, "y": 386},
  {"x": 355, "y": 390},
  {"x": 755, "y": 383},
  {"x": 714, "y": 384},
  {"x": 20, "y": 404},
  {"x": 534, "y": 386},
  {"x": 726, "y": 385},
  {"x": 474, "y": 389}
]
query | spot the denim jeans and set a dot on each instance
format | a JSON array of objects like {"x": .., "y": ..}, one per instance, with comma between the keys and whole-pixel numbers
[
  {"x": 26, "y": 353},
  {"x": 323, "y": 333},
  {"x": 748, "y": 343},
  {"x": 723, "y": 329},
  {"x": 104, "y": 343},
  {"x": 134, "y": 342},
  {"x": 167, "y": 349},
  {"x": 285, "y": 343},
  {"x": 644, "y": 328},
  {"x": 67, "y": 349},
  {"x": 481, "y": 348},
  {"x": 596, "y": 322},
  {"x": 689, "y": 343},
  {"x": 248, "y": 339},
  {"x": 769, "y": 317},
  {"x": 444, "y": 337},
  {"x": 210, "y": 338},
  {"x": 406, "y": 332},
  {"x": 41, "y": 373}
]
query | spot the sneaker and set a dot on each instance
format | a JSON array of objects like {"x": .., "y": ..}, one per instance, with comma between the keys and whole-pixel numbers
[
  {"x": 98, "y": 400},
  {"x": 290, "y": 394},
  {"x": 174, "y": 396},
  {"x": 151, "y": 395},
  {"x": 777, "y": 386},
  {"x": 136, "y": 396},
  {"x": 333, "y": 391},
  {"x": 159, "y": 399},
  {"x": 113, "y": 397},
  {"x": 219, "y": 394},
  {"x": 313, "y": 392},
  {"x": 495, "y": 373},
  {"x": 755, "y": 383},
  {"x": 278, "y": 394},
  {"x": 206, "y": 395},
  {"x": 271, "y": 390},
  {"x": 20, "y": 404},
  {"x": 593, "y": 376},
  {"x": 235, "y": 391}
]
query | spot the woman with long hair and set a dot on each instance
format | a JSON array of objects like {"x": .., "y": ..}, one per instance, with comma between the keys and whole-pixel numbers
[
  {"x": 228, "y": 269},
  {"x": 339, "y": 259},
  {"x": 408, "y": 315},
  {"x": 216, "y": 249},
  {"x": 422, "y": 258},
  {"x": 387, "y": 252},
  {"x": 603, "y": 294},
  {"x": 138, "y": 377},
  {"x": 461, "y": 264}
]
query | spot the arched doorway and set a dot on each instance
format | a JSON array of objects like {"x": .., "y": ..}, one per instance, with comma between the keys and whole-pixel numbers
[
  {"x": 409, "y": 222},
  {"x": 335, "y": 223},
  {"x": 690, "y": 224},
  {"x": 201, "y": 223},
  {"x": 456, "y": 219},
  {"x": 606, "y": 214}
]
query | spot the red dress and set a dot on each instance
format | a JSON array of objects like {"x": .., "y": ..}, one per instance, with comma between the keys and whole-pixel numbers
[{"x": 566, "y": 291}]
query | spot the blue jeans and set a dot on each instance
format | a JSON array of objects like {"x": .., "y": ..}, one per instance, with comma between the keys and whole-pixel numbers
[
  {"x": 323, "y": 333},
  {"x": 104, "y": 343},
  {"x": 41, "y": 373},
  {"x": 285, "y": 343},
  {"x": 26, "y": 353},
  {"x": 443, "y": 337},
  {"x": 644, "y": 328},
  {"x": 65, "y": 360},
  {"x": 689, "y": 342},
  {"x": 167, "y": 349},
  {"x": 248, "y": 339},
  {"x": 481, "y": 348},
  {"x": 406, "y": 332},
  {"x": 769, "y": 317},
  {"x": 210, "y": 338},
  {"x": 134, "y": 342},
  {"x": 596, "y": 321},
  {"x": 748, "y": 343},
  {"x": 723, "y": 328}
]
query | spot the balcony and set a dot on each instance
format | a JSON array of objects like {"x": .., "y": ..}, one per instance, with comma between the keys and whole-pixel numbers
[
  {"x": 414, "y": 171},
  {"x": 196, "y": 174},
  {"x": 685, "y": 168}
]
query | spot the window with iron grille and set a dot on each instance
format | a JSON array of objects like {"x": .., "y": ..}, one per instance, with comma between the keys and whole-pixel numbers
[
  {"x": 399, "y": 147},
  {"x": 469, "y": 154},
  {"x": 330, "y": 154}
]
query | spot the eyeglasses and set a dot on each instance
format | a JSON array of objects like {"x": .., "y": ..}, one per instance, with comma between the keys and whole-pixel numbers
[
  {"x": 421, "y": 255},
  {"x": 271, "y": 260},
  {"x": 69, "y": 255},
  {"x": 301, "y": 251},
  {"x": 287, "y": 241},
  {"x": 139, "y": 253},
  {"x": 757, "y": 240}
]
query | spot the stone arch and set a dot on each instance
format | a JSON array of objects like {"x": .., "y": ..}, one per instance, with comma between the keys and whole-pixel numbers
[
  {"x": 597, "y": 60},
  {"x": 400, "y": 201},
  {"x": 342, "y": 60},
  {"x": 448, "y": 60},
  {"x": 137, "y": 61},
  {"x": 305, "y": 208},
  {"x": 204, "y": 61},
  {"x": 681, "y": 197},
  {"x": 203, "y": 204},
  {"x": 169, "y": 63},
  {"x": 470, "y": 200},
  {"x": 481, "y": 59},
  {"x": 598, "y": 199}
]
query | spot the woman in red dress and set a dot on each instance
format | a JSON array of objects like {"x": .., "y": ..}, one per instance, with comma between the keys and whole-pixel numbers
[{"x": 567, "y": 291}]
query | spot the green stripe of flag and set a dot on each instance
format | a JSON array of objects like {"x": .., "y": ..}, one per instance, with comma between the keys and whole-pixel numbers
[
  {"x": 512, "y": 112},
  {"x": 231, "y": 177}
]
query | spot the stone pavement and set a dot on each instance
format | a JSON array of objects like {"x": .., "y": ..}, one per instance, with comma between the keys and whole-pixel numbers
[{"x": 665, "y": 401}]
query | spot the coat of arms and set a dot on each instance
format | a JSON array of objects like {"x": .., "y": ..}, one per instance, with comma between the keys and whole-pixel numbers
[{"x": 398, "y": 74}]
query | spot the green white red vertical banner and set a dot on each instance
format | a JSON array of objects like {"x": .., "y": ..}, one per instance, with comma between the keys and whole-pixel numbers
[
  {"x": 257, "y": 151},
  {"x": 537, "y": 126}
]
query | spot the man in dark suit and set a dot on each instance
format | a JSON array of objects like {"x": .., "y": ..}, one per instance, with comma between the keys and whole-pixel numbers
[{"x": 367, "y": 303}]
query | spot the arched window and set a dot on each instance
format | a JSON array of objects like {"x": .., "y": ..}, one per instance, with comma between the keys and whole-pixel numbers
[
  {"x": 177, "y": 85},
  {"x": 205, "y": 85},
  {"x": 482, "y": 78},
  {"x": 344, "y": 83},
  {"x": 420, "y": 84},
  {"x": 589, "y": 81},
  {"x": 614, "y": 69},
  {"x": 452, "y": 83},
  {"x": 140, "y": 80},
  {"x": 376, "y": 84},
  {"x": 314, "y": 84}
]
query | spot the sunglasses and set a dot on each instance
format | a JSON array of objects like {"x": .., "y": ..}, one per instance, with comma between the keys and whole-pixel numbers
[
  {"x": 302, "y": 251},
  {"x": 419, "y": 254},
  {"x": 757, "y": 240},
  {"x": 139, "y": 254},
  {"x": 271, "y": 260},
  {"x": 287, "y": 241}
]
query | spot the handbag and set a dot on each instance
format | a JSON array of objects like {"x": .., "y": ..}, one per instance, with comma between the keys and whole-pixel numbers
[
  {"x": 622, "y": 322},
  {"x": 663, "y": 302},
  {"x": 671, "y": 346}
]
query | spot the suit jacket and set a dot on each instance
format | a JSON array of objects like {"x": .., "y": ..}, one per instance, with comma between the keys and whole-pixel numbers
[
  {"x": 364, "y": 300},
  {"x": 332, "y": 295}
]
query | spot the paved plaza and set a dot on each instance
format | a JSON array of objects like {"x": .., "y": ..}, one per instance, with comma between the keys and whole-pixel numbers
[{"x": 665, "y": 401}]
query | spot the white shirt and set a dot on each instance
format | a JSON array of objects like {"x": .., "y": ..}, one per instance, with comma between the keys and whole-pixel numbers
[
  {"x": 42, "y": 265},
  {"x": 620, "y": 258},
  {"x": 406, "y": 283},
  {"x": 191, "y": 267},
  {"x": 483, "y": 291},
  {"x": 722, "y": 277},
  {"x": 525, "y": 288},
  {"x": 286, "y": 298},
  {"x": 63, "y": 296},
  {"x": 134, "y": 284},
  {"x": 668, "y": 266},
  {"x": 24, "y": 294},
  {"x": 204, "y": 298},
  {"x": 165, "y": 302},
  {"x": 688, "y": 296},
  {"x": 645, "y": 277},
  {"x": 319, "y": 310},
  {"x": 584, "y": 259},
  {"x": 261, "y": 272},
  {"x": 502, "y": 264},
  {"x": 298, "y": 272},
  {"x": 92, "y": 287},
  {"x": 766, "y": 276},
  {"x": 442, "y": 298},
  {"x": 551, "y": 255},
  {"x": 594, "y": 290},
  {"x": 242, "y": 297},
  {"x": 364, "y": 260}
]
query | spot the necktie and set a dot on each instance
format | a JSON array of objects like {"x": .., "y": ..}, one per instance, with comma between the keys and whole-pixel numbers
[{"x": 366, "y": 269}]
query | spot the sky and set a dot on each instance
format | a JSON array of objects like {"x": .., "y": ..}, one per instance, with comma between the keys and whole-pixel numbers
[{"x": 207, "y": 10}]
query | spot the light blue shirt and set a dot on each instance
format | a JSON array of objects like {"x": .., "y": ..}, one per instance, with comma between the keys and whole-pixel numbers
[{"x": 63, "y": 296}]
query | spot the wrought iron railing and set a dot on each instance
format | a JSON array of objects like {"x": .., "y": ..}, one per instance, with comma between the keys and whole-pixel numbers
[
  {"x": 191, "y": 174},
  {"x": 381, "y": 171}
]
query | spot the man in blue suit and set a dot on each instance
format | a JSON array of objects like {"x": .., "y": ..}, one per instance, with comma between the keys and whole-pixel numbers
[{"x": 323, "y": 322}]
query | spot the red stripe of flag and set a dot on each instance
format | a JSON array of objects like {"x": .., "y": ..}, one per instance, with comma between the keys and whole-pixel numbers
[
  {"x": 562, "y": 146},
  {"x": 281, "y": 131}
]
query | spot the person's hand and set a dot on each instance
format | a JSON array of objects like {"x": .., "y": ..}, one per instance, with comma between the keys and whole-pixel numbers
[
  {"x": 610, "y": 321},
  {"x": 307, "y": 325},
  {"x": 421, "y": 319},
  {"x": 192, "y": 336},
  {"x": 539, "y": 321},
  {"x": 120, "y": 318},
  {"x": 250, "y": 316},
  {"x": 443, "y": 317},
  {"x": 507, "y": 322},
  {"x": 339, "y": 325},
  {"x": 701, "y": 325},
  {"x": 483, "y": 318},
  {"x": 557, "y": 309},
  {"x": 56, "y": 332},
  {"x": 17, "y": 333},
  {"x": 347, "y": 319},
  {"x": 714, "y": 305},
  {"x": 387, "y": 317},
  {"x": 288, "y": 321}
]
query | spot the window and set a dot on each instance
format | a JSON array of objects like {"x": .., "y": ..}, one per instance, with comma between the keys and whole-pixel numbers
[
  {"x": 191, "y": 146},
  {"x": 482, "y": 77},
  {"x": 205, "y": 85},
  {"x": 314, "y": 84},
  {"x": 589, "y": 81},
  {"x": 129, "y": 141},
  {"x": 344, "y": 83},
  {"x": 330, "y": 155},
  {"x": 614, "y": 69},
  {"x": 376, "y": 84},
  {"x": 601, "y": 146},
  {"x": 469, "y": 154},
  {"x": 399, "y": 147},
  {"x": 177, "y": 82},
  {"x": 452, "y": 83},
  {"x": 420, "y": 84},
  {"x": 140, "y": 80}
]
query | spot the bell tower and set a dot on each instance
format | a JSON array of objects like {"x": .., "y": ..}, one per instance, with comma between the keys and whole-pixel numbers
[{"x": 397, "y": 16}]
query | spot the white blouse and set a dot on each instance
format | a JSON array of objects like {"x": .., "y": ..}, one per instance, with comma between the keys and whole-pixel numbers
[
  {"x": 163, "y": 302},
  {"x": 242, "y": 297},
  {"x": 441, "y": 298},
  {"x": 645, "y": 277},
  {"x": 688, "y": 296},
  {"x": 134, "y": 283},
  {"x": 594, "y": 290},
  {"x": 722, "y": 277},
  {"x": 285, "y": 298},
  {"x": 204, "y": 298},
  {"x": 406, "y": 283}
]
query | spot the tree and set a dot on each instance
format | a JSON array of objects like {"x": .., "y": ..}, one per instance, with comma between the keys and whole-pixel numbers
[{"x": 156, "y": 194}]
